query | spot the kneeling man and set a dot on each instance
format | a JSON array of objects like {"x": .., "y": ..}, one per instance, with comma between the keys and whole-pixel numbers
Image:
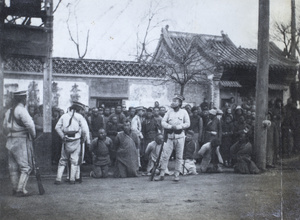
[{"x": 100, "y": 148}]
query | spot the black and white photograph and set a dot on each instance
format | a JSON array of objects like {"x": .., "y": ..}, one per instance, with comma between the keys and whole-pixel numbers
[{"x": 149, "y": 109}]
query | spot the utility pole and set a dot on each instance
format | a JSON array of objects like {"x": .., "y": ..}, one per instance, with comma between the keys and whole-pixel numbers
[
  {"x": 262, "y": 82},
  {"x": 47, "y": 89},
  {"x": 293, "y": 30},
  {"x": 47, "y": 93}
]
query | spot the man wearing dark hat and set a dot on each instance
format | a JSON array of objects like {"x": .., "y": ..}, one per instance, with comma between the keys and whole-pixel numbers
[
  {"x": 175, "y": 121},
  {"x": 19, "y": 129},
  {"x": 73, "y": 130}
]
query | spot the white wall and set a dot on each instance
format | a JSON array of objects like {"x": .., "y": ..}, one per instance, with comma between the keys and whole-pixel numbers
[{"x": 64, "y": 90}]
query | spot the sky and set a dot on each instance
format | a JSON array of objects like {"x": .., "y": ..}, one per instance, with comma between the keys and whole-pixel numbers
[{"x": 116, "y": 27}]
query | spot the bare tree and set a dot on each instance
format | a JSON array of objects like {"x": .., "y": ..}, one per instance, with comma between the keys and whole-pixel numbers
[
  {"x": 287, "y": 34},
  {"x": 282, "y": 34},
  {"x": 77, "y": 40},
  {"x": 142, "y": 54},
  {"x": 186, "y": 66}
]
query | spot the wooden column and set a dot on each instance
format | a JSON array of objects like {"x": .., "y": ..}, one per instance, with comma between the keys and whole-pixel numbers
[
  {"x": 44, "y": 153},
  {"x": 47, "y": 93},
  {"x": 262, "y": 82}
]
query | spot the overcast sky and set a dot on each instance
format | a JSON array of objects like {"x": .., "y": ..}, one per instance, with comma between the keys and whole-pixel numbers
[{"x": 115, "y": 25}]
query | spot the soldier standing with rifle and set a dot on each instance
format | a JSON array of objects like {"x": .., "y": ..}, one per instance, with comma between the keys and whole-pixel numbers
[
  {"x": 19, "y": 129},
  {"x": 174, "y": 122},
  {"x": 73, "y": 130}
]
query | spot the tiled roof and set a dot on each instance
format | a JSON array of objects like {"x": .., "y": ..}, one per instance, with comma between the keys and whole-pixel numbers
[
  {"x": 278, "y": 87},
  {"x": 232, "y": 84},
  {"x": 85, "y": 67},
  {"x": 221, "y": 51}
]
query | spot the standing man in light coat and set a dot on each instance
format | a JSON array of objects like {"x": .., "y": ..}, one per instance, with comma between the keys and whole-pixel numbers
[
  {"x": 20, "y": 130},
  {"x": 74, "y": 131},
  {"x": 175, "y": 121},
  {"x": 136, "y": 127}
]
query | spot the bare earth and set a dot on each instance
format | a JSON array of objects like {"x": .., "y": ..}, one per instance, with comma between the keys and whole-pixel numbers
[{"x": 274, "y": 194}]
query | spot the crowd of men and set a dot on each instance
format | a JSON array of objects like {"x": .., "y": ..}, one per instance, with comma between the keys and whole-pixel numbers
[
  {"x": 202, "y": 131},
  {"x": 129, "y": 140}
]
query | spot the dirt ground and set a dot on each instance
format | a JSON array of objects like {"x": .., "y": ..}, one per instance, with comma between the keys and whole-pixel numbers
[{"x": 271, "y": 195}]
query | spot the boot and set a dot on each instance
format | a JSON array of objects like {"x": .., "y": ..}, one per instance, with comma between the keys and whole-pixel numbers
[
  {"x": 25, "y": 184},
  {"x": 60, "y": 171},
  {"x": 21, "y": 191},
  {"x": 161, "y": 176},
  {"x": 73, "y": 171},
  {"x": 78, "y": 178},
  {"x": 176, "y": 176},
  {"x": 14, "y": 178}
]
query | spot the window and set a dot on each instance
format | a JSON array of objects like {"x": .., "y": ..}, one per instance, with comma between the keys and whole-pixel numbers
[{"x": 109, "y": 102}]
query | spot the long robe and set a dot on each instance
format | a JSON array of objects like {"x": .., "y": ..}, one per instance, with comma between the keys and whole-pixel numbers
[
  {"x": 270, "y": 145},
  {"x": 127, "y": 154},
  {"x": 241, "y": 152}
]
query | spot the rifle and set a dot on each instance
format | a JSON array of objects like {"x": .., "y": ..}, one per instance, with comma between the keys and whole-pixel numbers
[
  {"x": 156, "y": 163},
  {"x": 184, "y": 167},
  {"x": 37, "y": 169}
]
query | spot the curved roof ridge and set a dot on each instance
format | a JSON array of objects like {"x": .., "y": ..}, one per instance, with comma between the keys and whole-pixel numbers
[
  {"x": 195, "y": 34},
  {"x": 101, "y": 60}
]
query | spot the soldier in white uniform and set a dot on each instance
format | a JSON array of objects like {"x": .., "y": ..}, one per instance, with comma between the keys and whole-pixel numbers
[
  {"x": 19, "y": 129},
  {"x": 175, "y": 121},
  {"x": 73, "y": 130}
]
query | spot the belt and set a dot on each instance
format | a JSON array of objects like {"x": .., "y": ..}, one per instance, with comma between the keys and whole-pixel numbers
[{"x": 169, "y": 131}]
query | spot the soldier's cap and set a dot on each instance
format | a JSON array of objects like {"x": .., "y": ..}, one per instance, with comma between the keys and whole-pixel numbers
[
  {"x": 180, "y": 97},
  {"x": 79, "y": 104},
  {"x": 213, "y": 112},
  {"x": 20, "y": 93},
  {"x": 139, "y": 108}
]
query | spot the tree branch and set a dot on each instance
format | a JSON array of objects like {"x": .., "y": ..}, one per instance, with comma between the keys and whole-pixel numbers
[{"x": 57, "y": 6}]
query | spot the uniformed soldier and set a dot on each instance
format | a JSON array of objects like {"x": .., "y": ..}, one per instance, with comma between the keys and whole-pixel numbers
[
  {"x": 19, "y": 129},
  {"x": 175, "y": 121},
  {"x": 73, "y": 130}
]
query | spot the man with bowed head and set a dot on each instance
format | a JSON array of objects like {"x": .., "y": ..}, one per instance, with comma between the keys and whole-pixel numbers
[
  {"x": 100, "y": 148},
  {"x": 174, "y": 122}
]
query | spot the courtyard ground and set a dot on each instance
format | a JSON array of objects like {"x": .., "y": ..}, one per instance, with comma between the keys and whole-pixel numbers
[{"x": 274, "y": 194}]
